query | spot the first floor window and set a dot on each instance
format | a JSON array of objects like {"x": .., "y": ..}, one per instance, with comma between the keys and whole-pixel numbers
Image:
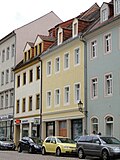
[
  {"x": 49, "y": 96},
  {"x": 94, "y": 122},
  {"x": 18, "y": 106},
  {"x": 38, "y": 101},
  {"x": 94, "y": 87},
  {"x": 24, "y": 105},
  {"x": 67, "y": 95},
  {"x": 108, "y": 43},
  {"x": 6, "y": 100},
  {"x": 30, "y": 103},
  {"x": 77, "y": 92},
  {"x": 108, "y": 84},
  {"x": 57, "y": 97},
  {"x": 11, "y": 99}
]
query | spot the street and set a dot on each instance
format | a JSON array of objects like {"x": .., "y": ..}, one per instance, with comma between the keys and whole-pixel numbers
[{"x": 14, "y": 155}]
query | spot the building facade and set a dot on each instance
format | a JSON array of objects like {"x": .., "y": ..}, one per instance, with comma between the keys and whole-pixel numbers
[
  {"x": 11, "y": 53},
  {"x": 103, "y": 71}
]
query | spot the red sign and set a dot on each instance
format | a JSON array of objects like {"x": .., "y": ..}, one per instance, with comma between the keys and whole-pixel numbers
[{"x": 18, "y": 121}]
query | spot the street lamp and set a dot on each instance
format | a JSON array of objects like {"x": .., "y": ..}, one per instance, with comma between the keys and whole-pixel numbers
[{"x": 84, "y": 111}]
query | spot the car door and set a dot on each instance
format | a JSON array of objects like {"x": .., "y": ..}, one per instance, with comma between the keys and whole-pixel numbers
[
  {"x": 48, "y": 144},
  {"x": 25, "y": 144},
  {"x": 53, "y": 145},
  {"x": 95, "y": 147}
]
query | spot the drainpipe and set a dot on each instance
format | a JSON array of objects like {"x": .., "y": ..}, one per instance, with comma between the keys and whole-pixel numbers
[{"x": 81, "y": 38}]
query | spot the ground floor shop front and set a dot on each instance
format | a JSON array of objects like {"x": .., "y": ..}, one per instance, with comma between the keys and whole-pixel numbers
[
  {"x": 66, "y": 127},
  {"x": 26, "y": 127}
]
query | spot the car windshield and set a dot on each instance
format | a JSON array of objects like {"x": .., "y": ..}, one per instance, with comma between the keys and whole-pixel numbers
[
  {"x": 110, "y": 140},
  {"x": 65, "y": 140}
]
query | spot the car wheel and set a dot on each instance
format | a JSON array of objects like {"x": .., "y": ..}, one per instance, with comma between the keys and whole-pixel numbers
[
  {"x": 58, "y": 152},
  {"x": 30, "y": 149},
  {"x": 81, "y": 153},
  {"x": 43, "y": 151},
  {"x": 19, "y": 149},
  {"x": 105, "y": 155}
]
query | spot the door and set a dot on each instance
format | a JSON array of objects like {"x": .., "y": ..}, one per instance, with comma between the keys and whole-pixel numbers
[{"x": 63, "y": 128}]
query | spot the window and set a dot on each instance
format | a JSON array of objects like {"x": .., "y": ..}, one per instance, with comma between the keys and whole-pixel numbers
[
  {"x": 104, "y": 15},
  {"x": 117, "y": 7},
  {"x": 30, "y": 103},
  {"x": 6, "y": 100},
  {"x": 13, "y": 50},
  {"x": 7, "y": 76},
  {"x": 3, "y": 55},
  {"x": 2, "y": 78},
  {"x": 31, "y": 75},
  {"x": 60, "y": 38},
  {"x": 57, "y": 64},
  {"x": 38, "y": 72},
  {"x": 77, "y": 56},
  {"x": 38, "y": 101},
  {"x": 67, "y": 95},
  {"x": 24, "y": 78},
  {"x": 29, "y": 56},
  {"x": 94, "y": 88},
  {"x": 108, "y": 43},
  {"x": 57, "y": 96},
  {"x": 77, "y": 92},
  {"x": 75, "y": 29},
  {"x": 49, "y": 98},
  {"x": 23, "y": 105},
  {"x": 2, "y": 102},
  {"x": 12, "y": 75},
  {"x": 11, "y": 99},
  {"x": 18, "y": 106},
  {"x": 49, "y": 68},
  {"x": 66, "y": 61},
  {"x": 40, "y": 48},
  {"x": 25, "y": 56},
  {"x": 108, "y": 84},
  {"x": 8, "y": 53},
  {"x": 94, "y": 122},
  {"x": 93, "y": 49},
  {"x": 109, "y": 125},
  {"x": 36, "y": 50},
  {"x": 18, "y": 81}
]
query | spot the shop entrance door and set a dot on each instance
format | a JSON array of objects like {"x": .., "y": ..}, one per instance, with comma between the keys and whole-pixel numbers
[{"x": 63, "y": 128}]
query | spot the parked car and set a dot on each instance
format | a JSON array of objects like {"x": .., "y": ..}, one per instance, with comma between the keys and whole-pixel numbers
[
  {"x": 32, "y": 145},
  {"x": 98, "y": 146},
  {"x": 58, "y": 145},
  {"x": 6, "y": 144}
]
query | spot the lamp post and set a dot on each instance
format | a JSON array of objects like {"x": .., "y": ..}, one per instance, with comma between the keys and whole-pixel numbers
[{"x": 83, "y": 111}]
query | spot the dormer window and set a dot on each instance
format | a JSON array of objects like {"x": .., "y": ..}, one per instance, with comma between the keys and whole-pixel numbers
[
  {"x": 29, "y": 54},
  {"x": 117, "y": 7},
  {"x": 25, "y": 56},
  {"x": 60, "y": 36},
  {"x": 104, "y": 12},
  {"x": 75, "y": 28}
]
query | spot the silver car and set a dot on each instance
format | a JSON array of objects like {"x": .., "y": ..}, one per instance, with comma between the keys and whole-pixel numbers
[{"x": 99, "y": 146}]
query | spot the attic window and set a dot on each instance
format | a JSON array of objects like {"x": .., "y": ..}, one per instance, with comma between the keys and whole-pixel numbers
[
  {"x": 117, "y": 7},
  {"x": 25, "y": 56},
  {"x": 104, "y": 15},
  {"x": 75, "y": 27},
  {"x": 60, "y": 36}
]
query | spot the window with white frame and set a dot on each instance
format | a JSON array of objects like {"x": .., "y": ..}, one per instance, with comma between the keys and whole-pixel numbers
[
  {"x": 49, "y": 98},
  {"x": 8, "y": 53},
  {"x": 7, "y": 75},
  {"x": 109, "y": 125},
  {"x": 77, "y": 56},
  {"x": 66, "y": 60},
  {"x": 3, "y": 55},
  {"x": 104, "y": 14},
  {"x": 2, "y": 78},
  {"x": 93, "y": 49},
  {"x": 94, "y": 88},
  {"x": 60, "y": 36},
  {"x": 12, "y": 75},
  {"x": 13, "y": 50},
  {"x": 108, "y": 43},
  {"x": 94, "y": 123},
  {"x": 57, "y": 64},
  {"x": 77, "y": 92},
  {"x": 6, "y": 100},
  {"x": 66, "y": 95},
  {"x": 49, "y": 68},
  {"x": 108, "y": 84},
  {"x": 57, "y": 96},
  {"x": 117, "y": 7}
]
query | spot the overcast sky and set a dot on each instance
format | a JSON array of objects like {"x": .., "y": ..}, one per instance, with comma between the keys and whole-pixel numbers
[{"x": 16, "y": 13}]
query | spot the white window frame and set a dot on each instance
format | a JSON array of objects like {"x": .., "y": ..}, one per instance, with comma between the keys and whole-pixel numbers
[
  {"x": 117, "y": 7},
  {"x": 96, "y": 129},
  {"x": 75, "y": 28},
  {"x": 66, "y": 95},
  {"x": 11, "y": 99},
  {"x": 77, "y": 56},
  {"x": 57, "y": 97},
  {"x": 60, "y": 36},
  {"x": 66, "y": 61},
  {"x": 77, "y": 94},
  {"x": 48, "y": 99},
  {"x": 104, "y": 14},
  {"x": 7, "y": 76},
  {"x": 93, "y": 45},
  {"x": 108, "y": 84},
  {"x": 94, "y": 88},
  {"x": 49, "y": 68},
  {"x": 57, "y": 65},
  {"x": 108, "y": 43}
]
